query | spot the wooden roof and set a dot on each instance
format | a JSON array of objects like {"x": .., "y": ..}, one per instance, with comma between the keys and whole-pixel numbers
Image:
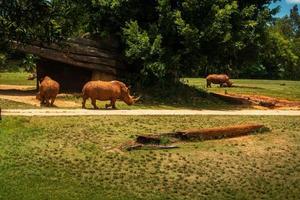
[{"x": 80, "y": 52}]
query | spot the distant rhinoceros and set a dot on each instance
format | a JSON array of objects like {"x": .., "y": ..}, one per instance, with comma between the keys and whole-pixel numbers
[
  {"x": 106, "y": 90},
  {"x": 221, "y": 79},
  {"x": 48, "y": 89}
]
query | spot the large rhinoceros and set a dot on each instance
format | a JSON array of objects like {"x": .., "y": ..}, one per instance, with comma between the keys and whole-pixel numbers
[
  {"x": 221, "y": 79},
  {"x": 106, "y": 90},
  {"x": 48, "y": 89}
]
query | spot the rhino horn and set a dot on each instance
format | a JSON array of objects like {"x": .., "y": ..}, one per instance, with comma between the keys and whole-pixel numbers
[{"x": 135, "y": 99}]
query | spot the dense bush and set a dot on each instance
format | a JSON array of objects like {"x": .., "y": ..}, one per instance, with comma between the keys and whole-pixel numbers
[{"x": 167, "y": 39}]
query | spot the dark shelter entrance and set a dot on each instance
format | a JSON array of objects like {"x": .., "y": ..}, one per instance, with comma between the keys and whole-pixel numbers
[{"x": 70, "y": 78}]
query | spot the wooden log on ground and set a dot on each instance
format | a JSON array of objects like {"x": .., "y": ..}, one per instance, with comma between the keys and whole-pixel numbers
[
  {"x": 154, "y": 141},
  {"x": 219, "y": 132},
  {"x": 203, "y": 134}
]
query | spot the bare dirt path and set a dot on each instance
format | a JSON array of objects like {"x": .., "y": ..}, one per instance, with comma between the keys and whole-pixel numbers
[
  {"x": 83, "y": 112},
  {"x": 26, "y": 94},
  {"x": 31, "y": 100},
  {"x": 16, "y": 87}
]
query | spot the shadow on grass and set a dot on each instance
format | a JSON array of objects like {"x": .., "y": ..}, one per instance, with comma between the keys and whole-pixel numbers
[
  {"x": 181, "y": 95},
  {"x": 16, "y": 92},
  {"x": 170, "y": 96},
  {"x": 247, "y": 87}
]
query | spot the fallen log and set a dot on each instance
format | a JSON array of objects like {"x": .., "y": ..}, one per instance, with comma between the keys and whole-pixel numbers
[
  {"x": 159, "y": 141},
  {"x": 219, "y": 132},
  {"x": 203, "y": 134}
]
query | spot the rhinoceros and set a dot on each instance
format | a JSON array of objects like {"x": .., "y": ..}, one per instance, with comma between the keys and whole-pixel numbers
[
  {"x": 107, "y": 90},
  {"x": 48, "y": 89},
  {"x": 221, "y": 79}
]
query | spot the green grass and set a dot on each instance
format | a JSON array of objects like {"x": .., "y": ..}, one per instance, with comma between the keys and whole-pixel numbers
[
  {"x": 16, "y": 78},
  {"x": 273, "y": 88},
  {"x": 7, "y": 104},
  {"x": 74, "y": 158}
]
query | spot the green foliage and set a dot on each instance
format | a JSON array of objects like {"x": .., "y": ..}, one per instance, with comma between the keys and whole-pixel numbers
[
  {"x": 166, "y": 39},
  {"x": 281, "y": 55},
  {"x": 2, "y": 59},
  {"x": 29, "y": 63},
  {"x": 39, "y": 20}
]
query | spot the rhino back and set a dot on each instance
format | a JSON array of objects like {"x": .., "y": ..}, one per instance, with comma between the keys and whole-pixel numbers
[
  {"x": 101, "y": 90},
  {"x": 217, "y": 78},
  {"x": 49, "y": 87}
]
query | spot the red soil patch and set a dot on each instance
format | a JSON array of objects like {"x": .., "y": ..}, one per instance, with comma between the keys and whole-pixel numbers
[{"x": 259, "y": 101}]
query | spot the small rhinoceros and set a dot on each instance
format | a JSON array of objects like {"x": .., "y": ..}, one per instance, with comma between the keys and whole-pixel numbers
[
  {"x": 106, "y": 90},
  {"x": 221, "y": 79},
  {"x": 48, "y": 89}
]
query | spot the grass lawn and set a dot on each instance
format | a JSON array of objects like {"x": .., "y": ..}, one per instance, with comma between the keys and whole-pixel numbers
[
  {"x": 73, "y": 158},
  {"x": 274, "y": 88},
  {"x": 16, "y": 78},
  {"x": 7, "y": 104}
]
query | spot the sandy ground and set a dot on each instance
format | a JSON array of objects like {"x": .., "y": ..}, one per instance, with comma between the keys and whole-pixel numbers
[
  {"x": 31, "y": 100},
  {"x": 83, "y": 112},
  {"x": 16, "y": 87},
  {"x": 26, "y": 94}
]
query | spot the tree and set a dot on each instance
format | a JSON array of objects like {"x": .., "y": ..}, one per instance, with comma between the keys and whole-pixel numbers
[
  {"x": 38, "y": 20},
  {"x": 161, "y": 39},
  {"x": 280, "y": 55}
]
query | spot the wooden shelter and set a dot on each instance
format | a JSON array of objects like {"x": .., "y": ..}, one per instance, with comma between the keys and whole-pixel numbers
[{"x": 76, "y": 61}]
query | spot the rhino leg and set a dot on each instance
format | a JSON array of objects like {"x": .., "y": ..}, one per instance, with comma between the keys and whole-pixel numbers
[
  {"x": 52, "y": 101},
  {"x": 84, "y": 98},
  {"x": 208, "y": 84},
  {"x": 112, "y": 104},
  {"x": 47, "y": 102},
  {"x": 94, "y": 103},
  {"x": 42, "y": 100}
]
